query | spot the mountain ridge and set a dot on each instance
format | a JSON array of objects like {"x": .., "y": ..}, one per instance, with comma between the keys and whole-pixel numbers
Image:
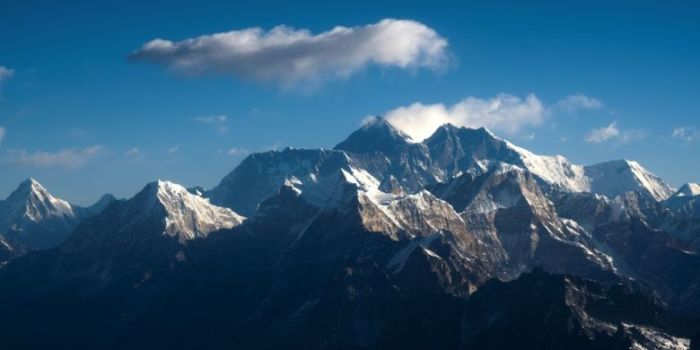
[{"x": 397, "y": 243}]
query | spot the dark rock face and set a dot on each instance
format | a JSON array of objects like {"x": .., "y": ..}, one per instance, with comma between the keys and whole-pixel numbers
[{"x": 540, "y": 310}]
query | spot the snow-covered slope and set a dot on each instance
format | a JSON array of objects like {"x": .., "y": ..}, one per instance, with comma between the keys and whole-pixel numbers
[
  {"x": 507, "y": 207},
  {"x": 261, "y": 175},
  {"x": 31, "y": 216},
  {"x": 555, "y": 170},
  {"x": 368, "y": 231},
  {"x": 31, "y": 201},
  {"x": 616, "y": 177},
  {"x": 381, "y": 152},
  {"x": 187, "y": 216},
  {"x": 690, "y": 189},
  {"x": 457, "y": 150},
  {"x": 686, "y": 201}
]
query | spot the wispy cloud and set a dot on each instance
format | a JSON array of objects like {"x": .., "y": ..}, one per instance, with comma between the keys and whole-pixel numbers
[
  {"x": 285, "y": 55},
  {"x": 173, "y": 149},
  {"x": 218, "y": 122},
  {"x": 633, "y": 135},
  {"x": 612, "y": 132},
  {"x": 602, "y": 134},
  {"x": 686, "y": 133},
  {"x": 3, "y": 132},
  {"x": 66, "y": 158},
  {"x": 133, "y": 152},
  {"x": 577, "y": 102}
]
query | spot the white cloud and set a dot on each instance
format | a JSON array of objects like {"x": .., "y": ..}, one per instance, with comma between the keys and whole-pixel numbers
[
  {"x": 504, "y": 113},
  {"x": 576, "y": 102},
  {"x": 686, "y": 133},
  {"x": 287, "y": 55},
  {"x": 218, "y": 122},
  {"x": 6, "y": 73},
  {"x": 174, "y": 149},
  {"x": 67, "y": 158},
  {"x": 603, "y": 134},
  {"x": 611, "y": 132},
  {"x": 133, "y": 152},
  {"x": 3, "y": 132},
  {"x": 633, "y": 135}
]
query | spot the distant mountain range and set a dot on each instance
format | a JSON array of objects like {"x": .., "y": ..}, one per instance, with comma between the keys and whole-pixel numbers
[{"x": 463, "y": 240}]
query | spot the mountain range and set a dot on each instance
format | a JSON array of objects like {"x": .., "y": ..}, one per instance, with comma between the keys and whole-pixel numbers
[{"x": 463, "y": 240}]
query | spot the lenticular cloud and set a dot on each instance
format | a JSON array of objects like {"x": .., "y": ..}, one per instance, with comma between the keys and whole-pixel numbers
[{"x": 287, "y": 55}]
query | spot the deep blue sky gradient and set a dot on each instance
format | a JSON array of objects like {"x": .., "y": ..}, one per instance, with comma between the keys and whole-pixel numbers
[{"x": 73, "y": 86}]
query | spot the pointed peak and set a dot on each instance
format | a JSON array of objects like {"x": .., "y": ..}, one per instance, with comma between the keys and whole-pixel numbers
[
  {"x": 374, "y": 121},
  {"x": 107, "y": 197},
  {"x": 379, "y": 123},
  {"x": 163, "y": 189},
  {"x": 487, "y": 131},
  {"x": 105, "y": 200},
  {"x": 101, "y": 203},
  {"x": 30, "y": 188},
  {"x": 30, "y": 180},
  {"x": 30, "y": 183},
  {"x": 375, "y": 135},
  {"x": 33, "y": 200},
  {"x": 688, "y": 189},
  {"x": 154, "y": 190},
  {"x": 161, "y": 184},
  {"x": 167, "y": 184}
]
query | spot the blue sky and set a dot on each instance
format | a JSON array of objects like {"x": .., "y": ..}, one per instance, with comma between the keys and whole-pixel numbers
[{"x": 84, "y": 115}]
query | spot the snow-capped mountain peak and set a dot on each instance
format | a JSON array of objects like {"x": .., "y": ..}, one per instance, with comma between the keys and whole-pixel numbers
[
  {"x": 453, "y": 148},
  {"x": 616, "y": 177},
  {"x": 555, "y": 170},
  {"x": 375, "y": 135},
  {"x": 690, "y": 189},
  {"x": 452, "y": 145},
  {"x": 188, "y": 216},
  {"x": 33, "y": 202},
  {"x": 31, "y": 217}
]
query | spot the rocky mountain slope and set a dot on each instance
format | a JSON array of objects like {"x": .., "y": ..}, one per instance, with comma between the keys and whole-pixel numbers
[{"x": 463, "y": 240}]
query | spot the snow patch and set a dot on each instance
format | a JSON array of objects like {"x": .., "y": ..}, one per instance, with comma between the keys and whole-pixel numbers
[
  {"x": 398, "y": 261},
  {"x": 649, "y": 338}
]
